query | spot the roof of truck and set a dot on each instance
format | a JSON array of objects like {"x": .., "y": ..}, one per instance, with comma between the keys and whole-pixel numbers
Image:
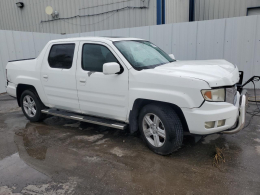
[{"x": 96, "y": 39}]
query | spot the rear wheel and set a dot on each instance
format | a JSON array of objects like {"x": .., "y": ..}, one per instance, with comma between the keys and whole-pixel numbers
[
  {"x": 32, "y": 106},
  {"x": 161, "y": 128}
]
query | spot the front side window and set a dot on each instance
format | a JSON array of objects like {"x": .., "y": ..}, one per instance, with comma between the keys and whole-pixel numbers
[
  {"x": 61, "y": 56},
  {"x": 143, "y": 54},
  {"x": 94, "y": 56}
]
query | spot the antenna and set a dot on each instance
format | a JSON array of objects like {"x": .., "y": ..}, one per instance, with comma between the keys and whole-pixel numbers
[{"x": 49, "y": 11}]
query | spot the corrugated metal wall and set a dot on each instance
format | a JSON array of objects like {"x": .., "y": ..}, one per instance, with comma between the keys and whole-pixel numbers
[
  {"x": 177, "y": 11},
  {"x": 123, "y": 19},
  {"x": 29, "y": 18},
  {"x": 217, "y": 9}
]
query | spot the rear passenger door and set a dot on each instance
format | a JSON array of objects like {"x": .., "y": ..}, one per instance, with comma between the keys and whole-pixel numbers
[
  {"x": 58, "y": 72},
  {"x": 99, "y": 94}
]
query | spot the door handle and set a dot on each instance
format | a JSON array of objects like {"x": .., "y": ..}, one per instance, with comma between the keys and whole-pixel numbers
[
  {"x": 45, "y": 76},
  {"x": 82, "y": 80}
]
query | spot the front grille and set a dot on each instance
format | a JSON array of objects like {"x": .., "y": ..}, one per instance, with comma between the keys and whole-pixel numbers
[{"x": 231, "y": 94}]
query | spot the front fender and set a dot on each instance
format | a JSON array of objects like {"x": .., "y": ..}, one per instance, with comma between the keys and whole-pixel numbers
[
  {"x": 181, "y": 99},
  {"x": 185, "y": 92},
  {"x": 161, "y": 86}
]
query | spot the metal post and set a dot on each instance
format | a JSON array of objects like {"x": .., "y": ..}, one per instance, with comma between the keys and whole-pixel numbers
[
  {"x": 191, "y": 11},
  {"x": 159, "y": 12}
]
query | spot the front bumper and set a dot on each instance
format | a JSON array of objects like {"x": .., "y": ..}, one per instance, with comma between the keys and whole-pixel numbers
[
  {"x": 241, "y": 118},
  {"x": 216, "y": 111}
]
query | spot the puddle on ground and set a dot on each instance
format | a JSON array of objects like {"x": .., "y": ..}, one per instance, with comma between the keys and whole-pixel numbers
[
  {"x": 14, "y": 170},
  {"x": 33, "y": 137}
]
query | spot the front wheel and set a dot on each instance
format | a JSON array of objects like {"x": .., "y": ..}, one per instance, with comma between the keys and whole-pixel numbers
[
  {"x": 161, "y": 128},
  {"x": 32, "y": 106}
]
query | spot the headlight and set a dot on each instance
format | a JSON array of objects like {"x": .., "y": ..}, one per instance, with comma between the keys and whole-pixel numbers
[{"x": 214, "y": 95}]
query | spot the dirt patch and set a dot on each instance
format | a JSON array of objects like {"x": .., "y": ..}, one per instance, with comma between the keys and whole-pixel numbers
[
  {"x": 89, "y": 138},
  {"x": 257, "y": 149},
  {"x": 218, "y": 157},
  {"x": 50, "y": 188},
  {"x": 102, "y": 141},
  {"x": 92, "y": 159},
  {"x": 121, "y": 152}
]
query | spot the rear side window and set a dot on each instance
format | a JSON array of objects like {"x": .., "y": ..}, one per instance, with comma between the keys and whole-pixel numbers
[
  {"x": 94, "y": 56},
  {"x": 61, "y": 56}
]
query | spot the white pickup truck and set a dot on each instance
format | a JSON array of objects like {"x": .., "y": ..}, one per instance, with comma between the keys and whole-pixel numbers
[{"x": 120, "y": 82}]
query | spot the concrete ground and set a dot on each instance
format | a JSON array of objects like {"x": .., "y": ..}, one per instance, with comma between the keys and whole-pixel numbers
[{"x": 60, "y": 156}]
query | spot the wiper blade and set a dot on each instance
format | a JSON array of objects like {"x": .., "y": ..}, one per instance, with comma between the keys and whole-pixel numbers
[{"x": 150, "y": 67}]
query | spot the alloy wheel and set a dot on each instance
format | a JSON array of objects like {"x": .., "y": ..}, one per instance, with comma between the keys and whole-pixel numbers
[
  {"x": 154, "y": 130},
  {"x": 29, "y": 106}
]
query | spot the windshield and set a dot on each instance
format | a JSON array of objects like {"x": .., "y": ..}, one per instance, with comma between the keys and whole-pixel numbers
[{"x": 143, "y": 54}]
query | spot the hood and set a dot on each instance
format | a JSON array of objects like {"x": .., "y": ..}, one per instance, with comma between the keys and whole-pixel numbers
[{"x": 216, "y": 73}]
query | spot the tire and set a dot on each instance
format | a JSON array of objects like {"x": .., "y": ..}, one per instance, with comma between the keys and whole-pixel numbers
[
  {"x": 34, "y": 104},
  {"x": 170, "y": 132}
]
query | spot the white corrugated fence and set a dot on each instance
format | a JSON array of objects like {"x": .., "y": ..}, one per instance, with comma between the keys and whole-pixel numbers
[{"x": 20, "y": 45}]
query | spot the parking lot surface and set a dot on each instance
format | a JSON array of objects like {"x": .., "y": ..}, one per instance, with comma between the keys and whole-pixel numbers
[{"x": 60, "y": 156}]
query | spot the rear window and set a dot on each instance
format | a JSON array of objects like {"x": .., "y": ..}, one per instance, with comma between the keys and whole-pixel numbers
[{"x": 61, "y": 56}]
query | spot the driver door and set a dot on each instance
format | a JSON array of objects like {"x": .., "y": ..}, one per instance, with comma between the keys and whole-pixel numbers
[{"x": 101, "y": 95}]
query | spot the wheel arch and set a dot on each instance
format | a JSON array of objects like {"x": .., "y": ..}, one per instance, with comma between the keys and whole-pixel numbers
[
  {"x": 21, "y": 88},
  {"x": 140, "y": 103}
]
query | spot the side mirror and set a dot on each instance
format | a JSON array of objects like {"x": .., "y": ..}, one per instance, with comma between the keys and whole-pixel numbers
[
  {"x": 172, "y": 56},
  {"x": 111, "y": 68}
]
